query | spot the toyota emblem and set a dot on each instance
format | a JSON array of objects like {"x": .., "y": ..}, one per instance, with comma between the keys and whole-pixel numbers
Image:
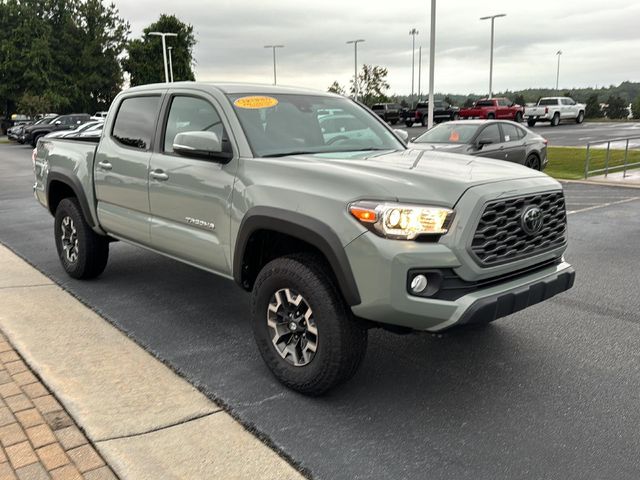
[{"x": 531, "y": 220}]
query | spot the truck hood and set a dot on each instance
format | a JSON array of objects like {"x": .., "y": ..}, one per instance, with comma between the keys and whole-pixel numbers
[{"x": 409, "y": 175}]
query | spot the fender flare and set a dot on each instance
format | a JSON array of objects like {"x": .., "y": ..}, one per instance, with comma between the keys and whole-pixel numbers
[
  {"x": 74, "y": 184},
  {"x": 305, "y": 228}
]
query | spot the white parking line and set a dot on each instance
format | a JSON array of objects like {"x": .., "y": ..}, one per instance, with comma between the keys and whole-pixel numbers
[{"x": 603, "y": 205}]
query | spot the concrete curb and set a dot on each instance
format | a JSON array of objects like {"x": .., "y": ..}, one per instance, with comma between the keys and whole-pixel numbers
[{"x": 145, "y": 420}]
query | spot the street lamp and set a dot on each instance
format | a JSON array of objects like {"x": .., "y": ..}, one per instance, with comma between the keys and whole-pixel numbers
[
  {"x": 413, "y": 32},
  {"x": 273, "y": 47},
  {"x": 170, "y": 65},
  {"x": 558, "y": 53},
  {"x": 432, "y": 61},
  {"x": 492, "y": 18},
  {"x": 164, "y": 50},
  {"x": 419, "y": 71},
  {"x": 355, "y": 65}
]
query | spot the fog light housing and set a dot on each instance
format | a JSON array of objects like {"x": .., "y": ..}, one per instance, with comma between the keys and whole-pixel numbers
[{"x": 419, "y": 283}]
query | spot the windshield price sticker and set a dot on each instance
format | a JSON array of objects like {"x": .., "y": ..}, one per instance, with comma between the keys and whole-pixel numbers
[{"x": 254, "y": 102}]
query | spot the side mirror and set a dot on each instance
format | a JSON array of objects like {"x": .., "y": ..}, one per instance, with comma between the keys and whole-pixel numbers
[
  {"x": 57, "y": 122},
  {"x": 482, "y": 142},
  {"x": 199, "y": 144},
  {"x": 413, "y": 139},
  {"x": 402, "y": 134}
]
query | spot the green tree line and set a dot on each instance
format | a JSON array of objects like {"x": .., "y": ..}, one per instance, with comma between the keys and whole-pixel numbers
[{"x": 71, "y": 55}]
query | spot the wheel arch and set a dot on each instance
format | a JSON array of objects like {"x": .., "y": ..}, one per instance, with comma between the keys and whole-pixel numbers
[
  {"x": 60, "y": 186},
  {"x": 303, "y": 230}
]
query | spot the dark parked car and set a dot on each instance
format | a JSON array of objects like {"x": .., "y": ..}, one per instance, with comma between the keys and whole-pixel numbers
[
  {"x": 442, "y": 112},
  {"x": 498, "y": 139},
  {"x": 389, "y": 112},
  {"x": 63, "y": 122}
]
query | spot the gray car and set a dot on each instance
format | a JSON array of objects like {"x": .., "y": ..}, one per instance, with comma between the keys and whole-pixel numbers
[{"x": 499, "y": 139}]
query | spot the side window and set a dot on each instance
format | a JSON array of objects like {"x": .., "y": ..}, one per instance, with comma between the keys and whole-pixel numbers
[
  {"x": 521, "y": 132},
  {"x": 135, "y": 121},
  {"x": 492, "y": 133},
  {"x": 190, "y": 114},
  {"x": 510, "y": 132}
]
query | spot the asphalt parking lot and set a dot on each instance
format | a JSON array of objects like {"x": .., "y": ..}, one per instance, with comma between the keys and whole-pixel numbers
[
  {"x": 571, "y": 134},
  {"x": 551, "y": 392}
]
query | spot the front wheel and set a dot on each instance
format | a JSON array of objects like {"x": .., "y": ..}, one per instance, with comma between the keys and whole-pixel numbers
[
  {"x": 518, "y": 117},
  {"x": 82, "y": 252},
  {"x": 580, "y": 117},
  {"x": 305, "y": 332},
  {"x": 455, "y": 117},
  {"x": 408, "y": 123}
]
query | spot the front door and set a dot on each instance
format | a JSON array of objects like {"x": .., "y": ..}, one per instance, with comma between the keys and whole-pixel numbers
[
  {"x": 121, "y": 169},
  {"x": 190, "y": 198},
  {"x": 514, "y": 145},
  {"x": 495, "y": 149}
]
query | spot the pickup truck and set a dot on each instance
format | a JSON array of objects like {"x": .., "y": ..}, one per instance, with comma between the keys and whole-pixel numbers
[
  {"x": 494, "y": 108},
  {"x": 442, "y": 112},
  {"x": 332, "y": 235},
  {"x": 554, "y": 110}
]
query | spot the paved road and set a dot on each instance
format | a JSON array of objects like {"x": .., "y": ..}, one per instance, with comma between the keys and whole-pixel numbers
[
  {"x": 573, "y": 135},
  {"x": 551, "y": 392}
]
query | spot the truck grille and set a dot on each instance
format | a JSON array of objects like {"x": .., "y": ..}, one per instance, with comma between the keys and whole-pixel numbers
[{"x": 500, "y": 236}]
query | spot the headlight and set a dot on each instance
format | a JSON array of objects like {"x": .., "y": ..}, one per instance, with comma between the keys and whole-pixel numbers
[{"x": 402, "y": 221}]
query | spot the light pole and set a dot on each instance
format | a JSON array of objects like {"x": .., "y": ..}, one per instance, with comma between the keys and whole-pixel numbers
[
  {"x": 492, "y": 18},
  {"x": 273, "y": 47},
  {"x": 413, "y": 32},
  {"x": 558, "y": 53},
  {"x": 419, "y": 71},
  {"x": 432, "y": 61},
  {"x": 170, "y": 65},
  {"x": 355, "y": 65},
  {"x": 164, "y": 50}
]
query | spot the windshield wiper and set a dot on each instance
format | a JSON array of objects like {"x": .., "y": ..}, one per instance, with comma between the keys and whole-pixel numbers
[{"x": 286, "y": 154}]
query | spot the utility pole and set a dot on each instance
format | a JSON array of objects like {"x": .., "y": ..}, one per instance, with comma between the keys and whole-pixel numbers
[
  {"x": 492, "y": 18},
  {"x": 413, "y": 32},
  {"x": 432, "y": 61},
  {"x": 419, "y": 71},
  {"x": 558, "y": 53},
  {"x": 170, "y": 64},
  {"x": 273, "y": 47},
  {"x": 355, "y": 65},
  {"x": 164, "y": 50}
]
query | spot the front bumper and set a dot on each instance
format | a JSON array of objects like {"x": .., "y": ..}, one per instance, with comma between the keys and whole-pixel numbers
[{"x": 381, "y": 275}]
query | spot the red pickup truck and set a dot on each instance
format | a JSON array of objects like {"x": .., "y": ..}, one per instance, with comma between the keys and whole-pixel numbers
[{"x": 494, "y": 108}]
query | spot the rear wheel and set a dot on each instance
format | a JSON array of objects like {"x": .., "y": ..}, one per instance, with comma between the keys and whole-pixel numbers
[
  {"x": 408, "y": 123},
  {"x": 34, "y": 142},
  {"x": 82, "y": 252},
  {"x": 455, "y": 117},
  {"x": 531, "y": 122},
  {"x": 580, "y": 117},
  {"x": 533, "y": 162},
  {"x": 305, "y": 332},
  {"x": 555, "y": 120},
  {"x": 491, "y": 116}
]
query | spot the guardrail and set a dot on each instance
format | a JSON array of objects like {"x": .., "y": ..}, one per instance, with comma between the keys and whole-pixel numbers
[{"x": 624, "y": 166}]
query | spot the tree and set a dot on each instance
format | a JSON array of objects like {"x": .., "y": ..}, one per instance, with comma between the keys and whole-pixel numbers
[
  {"x": 592, "y": 109},
  {"x": 519, "y": 99},
  {"x": 468, "y": 102},
  {"x": 335, "y": 87},
  {"x": 144, "y": 62},
  {"x": 635, "y": 107},
  {"x": 449, "y": 100},
  {"x": 372, "y": 82},
  {"x": 617, "y": 107}
]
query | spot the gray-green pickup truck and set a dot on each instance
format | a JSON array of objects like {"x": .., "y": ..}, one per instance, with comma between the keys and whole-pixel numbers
[{"x": 314, "y": 205}]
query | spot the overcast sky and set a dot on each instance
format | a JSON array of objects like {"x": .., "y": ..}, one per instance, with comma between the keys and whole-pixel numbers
[{"x": 600, "y": 40}]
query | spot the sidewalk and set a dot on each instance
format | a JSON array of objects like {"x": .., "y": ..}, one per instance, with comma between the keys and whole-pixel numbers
[
  {"x": 39, "y": 439},
  {"x": 145, "y": 421}
]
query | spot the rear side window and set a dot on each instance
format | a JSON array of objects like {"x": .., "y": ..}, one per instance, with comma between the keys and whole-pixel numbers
[
  {"x": 484, "y": 103},
  {"x": 135, "y": 121},
  {"x": 510, "y": 132},
  {"x": 378, "y": 107},
  {"x": 548, "y": 101}
]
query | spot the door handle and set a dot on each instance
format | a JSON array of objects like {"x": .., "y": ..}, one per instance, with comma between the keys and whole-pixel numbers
[
  {"x": 159, "y": 175},
  {"x": 104, "y": 165}
]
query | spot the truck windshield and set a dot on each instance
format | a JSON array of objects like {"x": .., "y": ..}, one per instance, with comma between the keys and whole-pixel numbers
[
  {"x": 448, "y": 133},
  {"x": 287, "y": 124}
]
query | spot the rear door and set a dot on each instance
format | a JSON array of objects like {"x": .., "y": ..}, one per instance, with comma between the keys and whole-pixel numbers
[
  {"x": 513, "y": 143},
  {"x": 190, "y": 197},
  {"x": 121, "y": 168},
  {"x": 494, "y": 149}
]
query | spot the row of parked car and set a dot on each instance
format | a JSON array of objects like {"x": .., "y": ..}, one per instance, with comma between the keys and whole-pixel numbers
[
  {"x": 77, "y": 125},
  {"x": 548, "y": 109}
]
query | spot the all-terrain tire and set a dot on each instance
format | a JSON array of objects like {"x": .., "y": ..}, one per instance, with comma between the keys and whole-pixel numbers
[
  {"x": 555, "y": 120},
  {"x": 92, "y": 250},
  {"x": 531, "y": 122},
  {"x": 580, "y": 117},
  {"x": 341, "y": 341}
]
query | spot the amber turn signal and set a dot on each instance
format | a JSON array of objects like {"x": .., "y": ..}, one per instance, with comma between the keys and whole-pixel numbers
[{"x": 364, "y": 214}]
